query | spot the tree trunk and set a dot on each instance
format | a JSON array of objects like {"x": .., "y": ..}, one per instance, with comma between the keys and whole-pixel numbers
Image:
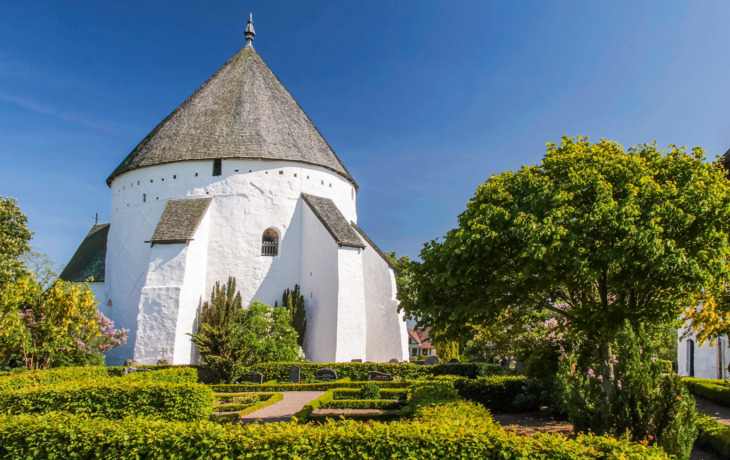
[{"x": 605, "y": 358}]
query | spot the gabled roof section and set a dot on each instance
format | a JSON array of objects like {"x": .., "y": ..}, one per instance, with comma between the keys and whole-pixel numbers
[
  {"x": 179, "y": 220},
  {"x": 89, "y": 260},
  {"x": 333, "y": 220},
  {"x": 241, "y": 111},
  {"x": 374, "y": 246}
]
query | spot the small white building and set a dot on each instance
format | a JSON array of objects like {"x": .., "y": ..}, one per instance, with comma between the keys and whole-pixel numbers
[
  {"x": 706, "y": 361},
  {"x": 237, "y": 181}
]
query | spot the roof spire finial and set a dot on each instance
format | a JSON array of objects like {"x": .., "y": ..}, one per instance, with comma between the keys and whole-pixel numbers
[{"x": 250, "y": 33}]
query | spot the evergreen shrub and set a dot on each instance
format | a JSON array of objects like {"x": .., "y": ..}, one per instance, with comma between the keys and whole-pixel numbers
[
  {"x": 113, "y": 399},
  {"x": 15, "y": 381},
  {"x": 385, "y": 393},
  {"x": 499, "y": 393},
  {"x": 385, "y": 404},
  {"x": 370, "y": 391}
]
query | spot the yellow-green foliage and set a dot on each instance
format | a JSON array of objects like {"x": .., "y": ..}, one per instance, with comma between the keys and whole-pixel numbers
[
  {"x": 113, "y": 399},
  {"x": 714, "y": 435},
  {"x": 456, "y": 430}
]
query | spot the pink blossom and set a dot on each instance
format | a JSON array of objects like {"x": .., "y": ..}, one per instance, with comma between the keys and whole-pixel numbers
[{"x": 591, "y": 374}]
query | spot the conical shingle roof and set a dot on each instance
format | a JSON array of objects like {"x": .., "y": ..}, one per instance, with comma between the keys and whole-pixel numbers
[{"x": 242, "y": 111}]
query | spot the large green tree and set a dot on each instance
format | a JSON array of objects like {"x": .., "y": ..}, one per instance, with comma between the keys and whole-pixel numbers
[
  {"x": 594, "y": 234},
  {"x": 14, "y": 237}
]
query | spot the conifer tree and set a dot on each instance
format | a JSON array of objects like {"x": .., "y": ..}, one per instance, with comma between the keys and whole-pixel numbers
[{"x": 293, "y": 301}]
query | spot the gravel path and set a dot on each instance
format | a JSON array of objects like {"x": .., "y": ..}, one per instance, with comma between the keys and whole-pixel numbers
[
  {"x": 714, "y": 410},
  {"x": 283, "y": 410}
]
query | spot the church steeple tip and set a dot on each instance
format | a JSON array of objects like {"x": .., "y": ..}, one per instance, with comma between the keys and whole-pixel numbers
[{"x": 250, "y": 33}]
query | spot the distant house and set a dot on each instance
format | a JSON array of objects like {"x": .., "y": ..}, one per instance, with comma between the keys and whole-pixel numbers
[{"x": 419, "y": 344}]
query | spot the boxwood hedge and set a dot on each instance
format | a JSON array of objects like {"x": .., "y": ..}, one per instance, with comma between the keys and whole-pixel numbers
[
  {"x": 714, "y": 435},
  {"x": 456, "y": 430},
  {"x": 715, "y": 390},
  {"x": 113, "y": 399}
]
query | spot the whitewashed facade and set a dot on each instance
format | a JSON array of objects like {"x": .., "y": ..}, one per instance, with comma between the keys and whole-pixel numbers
[{"x": 190, "y": 206}]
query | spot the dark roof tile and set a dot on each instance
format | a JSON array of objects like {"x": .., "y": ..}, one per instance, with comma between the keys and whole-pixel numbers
[
  {"x": 333, "y": 220},
  {"x": 89, "y": 260},
  {"x": 179, "y": 220}
]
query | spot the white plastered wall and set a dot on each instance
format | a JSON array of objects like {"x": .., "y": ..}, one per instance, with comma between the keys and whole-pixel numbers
[
  {"x": 170, "y": 299},
  {"x": 351, "y": 319},
  {"x": 705, "y": 358},
  {"x": 387, "y": 334},
  {"x": 319, "y": 285}
]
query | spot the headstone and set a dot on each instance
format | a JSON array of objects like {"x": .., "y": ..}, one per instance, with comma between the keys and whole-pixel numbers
[
  {"x": 453, "y": 361},
  {"x": 326, "y": 375},
  {"x": 129, "y": 370},
  {"x": 294, "y": 374},
  {"x": 253, "y": 377},
  {"x": 131, "y": 362},
  {"x": 393, "y": 361},
  {"x": 379, "y": 376},
  {"x": 164, "y": 362},
  {"x": 356, "y": 360},
  {"x": 433, "y": 359}
]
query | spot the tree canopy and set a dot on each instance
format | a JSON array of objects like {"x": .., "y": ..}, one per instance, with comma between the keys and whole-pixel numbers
[
  {"x": 595, "y": 234},
  {"x": 14, "y": 237}
]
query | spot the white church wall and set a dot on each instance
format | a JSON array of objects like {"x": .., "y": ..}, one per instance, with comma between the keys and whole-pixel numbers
[
  {"x": 246, "y": 204},
  {"x": 97, "y": 288},
  {"x": 705, "y": 358},
  {"x": 319, "y": 285},
  {"x": 192, "y": 292},
  {"x": 387, "y": 335},
  {"x": 351, "y": 316}
]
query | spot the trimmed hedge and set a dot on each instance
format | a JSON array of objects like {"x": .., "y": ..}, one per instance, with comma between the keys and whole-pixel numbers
[
  {"x": 227, "y": 388},
  {"x": 385, "y": 393},
  {"x": 385, "y": 404},
  {"x": 499, "y": 393},
  {"x": 113, "y": 399},
  {"x": 456, "y": 430},
  {"x": 358, "y": 372},
  {"x": 304, "y": 413},
  {"x": 16, "y": 381},
  {"x": 714, "y": 435},
  {"x": 384, "y": 416},
  {"x": 265, "y": 399},
  {"x": 715, "y": 390}
]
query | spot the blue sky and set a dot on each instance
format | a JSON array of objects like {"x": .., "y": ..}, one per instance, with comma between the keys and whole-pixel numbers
[{"x": 422, "y": 100}]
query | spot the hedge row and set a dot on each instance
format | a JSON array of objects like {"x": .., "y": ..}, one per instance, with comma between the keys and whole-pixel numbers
[
  {"x": 714, "y": 435},
  {"x": 384, "y": 416},
  {"x": 358, "y": 372},
  {"x": 456, "y": 430},
  {"x": 113, "y": 399},
  {"x": 304, "y": 413},
  {"x": 385, "y": 393},
  {"x": 169, "y": 374},
  {"x": 385, "y": 404},
  {"x": 715, "y": 390},
  {"x": 302, "y": 386}
]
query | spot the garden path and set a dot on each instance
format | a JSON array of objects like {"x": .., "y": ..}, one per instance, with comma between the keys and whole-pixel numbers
[
  {"x": 283, "y": 410},
  {"x": 714, "y": 410}
]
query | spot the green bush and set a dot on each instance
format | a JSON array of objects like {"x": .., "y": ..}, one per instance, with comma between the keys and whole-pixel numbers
[
  {"x": 323, "y": 386},
  {"x": 370, "y": 391},
  {"x": 113, "y": 399},
  {"x": 715, "y": 390},
  {"x": 714, "y": 435},
  {"x": 499, "y": 393},
  {"x": 358, "y": 372},
  {"x": 452, "y": 431},
  {"x": 385, "y": 393},
  {"x": 385, "y": 404},
  {"x": 169, "y": 375}
]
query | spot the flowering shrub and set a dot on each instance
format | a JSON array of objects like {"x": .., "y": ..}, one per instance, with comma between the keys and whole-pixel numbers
[{"x": 57, "y": 327}]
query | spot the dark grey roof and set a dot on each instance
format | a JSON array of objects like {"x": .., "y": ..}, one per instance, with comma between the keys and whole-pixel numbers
[
  {"x": 89, "y": 260},
  {"x": 241, "y": 111},
  {"x": 373, "y": 245},
  {"x": 179, "y": 220},
  {"x": 333, "y": 220}
]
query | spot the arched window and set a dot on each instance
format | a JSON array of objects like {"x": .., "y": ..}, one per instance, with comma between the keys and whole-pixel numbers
[
  {"x": 270, "y": 243},
  {"x": 690, "y": 358}
]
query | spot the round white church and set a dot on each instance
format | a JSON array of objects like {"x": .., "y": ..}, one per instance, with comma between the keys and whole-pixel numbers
[{"x": 237, "y": 181}]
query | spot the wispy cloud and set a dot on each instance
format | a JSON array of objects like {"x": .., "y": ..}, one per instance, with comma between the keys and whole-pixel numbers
[{"x": 104, "y": 126}]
